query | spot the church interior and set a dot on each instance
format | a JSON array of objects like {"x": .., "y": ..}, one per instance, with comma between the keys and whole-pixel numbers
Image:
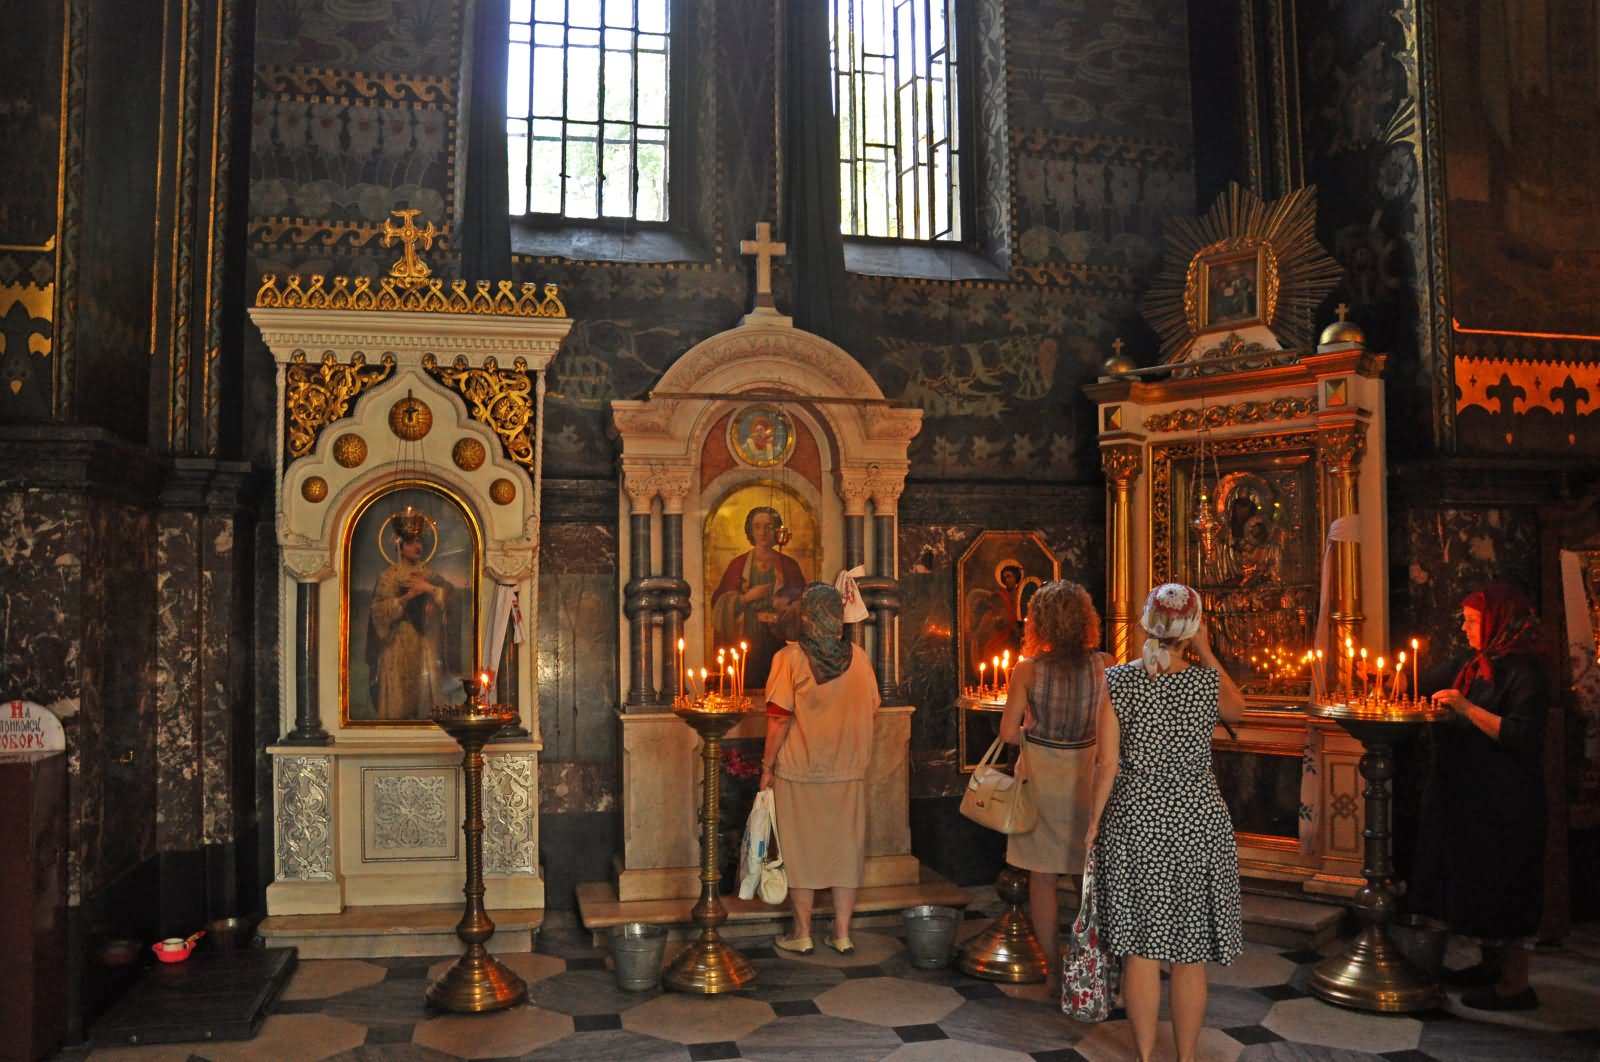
[{"x": 415, "y": 412}]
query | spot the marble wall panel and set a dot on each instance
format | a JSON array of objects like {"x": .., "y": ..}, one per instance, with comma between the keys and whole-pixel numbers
[
  {"x": 222, "y": 692},
  {"x": 578, "y": 642},
  {"x": 1445, "y": 554},
  {"x": 177, "y": 677},
  {"x": 566, "y": 787},
  {"x": 119, "y": 591},
  {"x": 1072, "y": 523}
]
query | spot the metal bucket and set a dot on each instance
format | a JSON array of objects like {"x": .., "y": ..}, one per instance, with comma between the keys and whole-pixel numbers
[
  {"x": 1422, "y": 944},
  {"x": 931, "y": 935},
  {"x": 637, "y": 949}
]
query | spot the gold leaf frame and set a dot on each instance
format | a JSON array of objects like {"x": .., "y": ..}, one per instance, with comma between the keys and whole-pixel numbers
[
  {"x": 502, "y": 399},
  {"x": 315, "y": 396},
  {"x": 1296, "y": 273}
]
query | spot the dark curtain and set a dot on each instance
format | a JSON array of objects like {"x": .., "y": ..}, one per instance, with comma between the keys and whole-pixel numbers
[
  {"x": 811, "y": 173},
  {"x": 485, "y": 236}
]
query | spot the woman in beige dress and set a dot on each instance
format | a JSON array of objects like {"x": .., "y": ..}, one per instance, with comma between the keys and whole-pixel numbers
[
  {"x": 821, "y": 698},
  {"x": 1052, "y": 702}
]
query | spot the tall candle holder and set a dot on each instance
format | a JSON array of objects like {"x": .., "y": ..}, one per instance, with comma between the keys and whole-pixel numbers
[
  {"x": 708, "y": 966},
  {"x": 1371, "y": 973},
  {"x": 477, "y": 982},
  {"x": 1008, "y": 951}
]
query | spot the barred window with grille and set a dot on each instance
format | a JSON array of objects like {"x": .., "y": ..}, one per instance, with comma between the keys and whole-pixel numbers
[
  {"x": 895, "y": 90},
  {"x": 587, "y": 109}
]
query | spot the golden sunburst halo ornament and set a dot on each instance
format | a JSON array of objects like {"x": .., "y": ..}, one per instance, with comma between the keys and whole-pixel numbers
[{"x": 1273, "y": 245}]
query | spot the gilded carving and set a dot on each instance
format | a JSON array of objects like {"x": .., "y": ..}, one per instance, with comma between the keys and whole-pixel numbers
[
  {"x": 305, "y": 818},
  {"x": 502, "y": 399},
  {"x": 314, "y": 489},
  {"x": 468, "y": 454},
  {"x": 503, "y": 492},
  {"x": 1231, "y": 415},
  {"x": 410, "y": 418},
  {"x": 1342, "y": 448},
  {"x": 350, "y": 450},
  {"x": 508, "y": 792},
  {"x": 358, "y": 293},
  {"x": 410, "y": 270},
  {"x": 316, "y": 396},
  {"x": 1122, "y": 464},
  {"x": 410, "y": 811}
]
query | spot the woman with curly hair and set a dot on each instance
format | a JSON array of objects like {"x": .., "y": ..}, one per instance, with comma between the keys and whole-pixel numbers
[{"x": 1051, "y": 706}]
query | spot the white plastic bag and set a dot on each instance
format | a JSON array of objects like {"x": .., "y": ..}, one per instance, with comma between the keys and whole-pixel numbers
[{"x": 757, "y": 844}]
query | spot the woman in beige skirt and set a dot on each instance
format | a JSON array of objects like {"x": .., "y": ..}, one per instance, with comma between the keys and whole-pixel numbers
[
  {"x": 821, "y": 698},
  {"x": 1051, "y": 706}
]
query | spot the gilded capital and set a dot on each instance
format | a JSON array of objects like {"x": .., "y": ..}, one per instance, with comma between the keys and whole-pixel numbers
[
  {"x": 1341, "y": 449},
  {"x": 1122, "y": 464}
]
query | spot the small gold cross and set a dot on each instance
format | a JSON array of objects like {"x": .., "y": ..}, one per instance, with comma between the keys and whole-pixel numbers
[
  {"x": 410, "y": 270},
  {"x": 764, "y": 249}
]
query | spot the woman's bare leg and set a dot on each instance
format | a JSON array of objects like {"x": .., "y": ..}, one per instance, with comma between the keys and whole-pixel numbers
[
  {"x": 844, "y": 906},
  {"x": 802, "y": 901},
  {"x": 1043, "y": 908},
  {"x": 1141, "y": 994},
  {"x": 1188, "y": 1006}
]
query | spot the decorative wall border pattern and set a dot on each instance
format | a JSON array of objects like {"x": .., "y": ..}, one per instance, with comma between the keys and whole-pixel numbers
[
  {"x": 352, "y": 86},
  {"x": 1054, "y": 144}
]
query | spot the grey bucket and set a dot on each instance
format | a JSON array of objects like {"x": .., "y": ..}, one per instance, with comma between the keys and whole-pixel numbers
[
  {"x": 931, "y": 935},
  {"x": 637, "y": 949},
  {"x": 1423, "y": 945}
]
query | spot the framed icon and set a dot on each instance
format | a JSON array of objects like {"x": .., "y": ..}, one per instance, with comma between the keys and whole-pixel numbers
[
  {"x": 412, "y": 560},
  {"x": 761, "y": 436},
  {"x": 1230, "y": 286}
]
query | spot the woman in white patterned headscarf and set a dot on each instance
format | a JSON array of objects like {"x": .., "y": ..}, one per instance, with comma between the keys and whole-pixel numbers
[{"x": 1166, "y": 867}]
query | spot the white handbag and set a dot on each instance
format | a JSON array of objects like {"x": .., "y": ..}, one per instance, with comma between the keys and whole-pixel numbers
[{"x": 774, "y": 887}]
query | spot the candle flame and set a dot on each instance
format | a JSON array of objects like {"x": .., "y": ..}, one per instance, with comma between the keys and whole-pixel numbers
[
  {"x": 1402, "y": 656},
  {"x": 1413, "y": 645},
  {"x": 680, "y": 645},
  {"x": 1380, "y": 663}
]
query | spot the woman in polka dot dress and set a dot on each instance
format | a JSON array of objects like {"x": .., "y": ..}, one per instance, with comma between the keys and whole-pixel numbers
[{"x": 1166, "y": 867}]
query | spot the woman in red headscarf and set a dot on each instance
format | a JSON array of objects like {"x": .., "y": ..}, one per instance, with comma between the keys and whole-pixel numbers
[{"x": 1482, "y": 859}]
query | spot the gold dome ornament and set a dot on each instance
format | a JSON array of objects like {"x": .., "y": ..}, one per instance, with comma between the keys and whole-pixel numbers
[
  {"x": 314, "y": 489},
  {"x": 1118, "y": 364},
  {"x": 468, "y": 454},
  {"x": 350, "y": 450},
  {"x": 503, "y": 491},
  {"x": 1342, "y": 332},
  {"x": 410, "y": 418}
]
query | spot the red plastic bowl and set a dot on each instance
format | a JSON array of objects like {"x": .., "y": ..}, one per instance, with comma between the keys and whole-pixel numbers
[{"x": 172, "y": 954}]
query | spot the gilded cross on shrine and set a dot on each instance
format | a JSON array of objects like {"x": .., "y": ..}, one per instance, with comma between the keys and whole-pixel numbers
[
  {"x": 764, "y": 248},
  {"x": 1117, "y": 345},
  {"x": 410, "y": 270},
  {"x": 1342, "y": 310}
]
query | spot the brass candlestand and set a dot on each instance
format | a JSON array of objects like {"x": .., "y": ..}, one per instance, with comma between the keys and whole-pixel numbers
[
  {"x": 476, "y": 982},
  {"x": 1372, "y": 974},
  {"x": 708, "y": 965},
  {"x": 1008, "y": 950}
]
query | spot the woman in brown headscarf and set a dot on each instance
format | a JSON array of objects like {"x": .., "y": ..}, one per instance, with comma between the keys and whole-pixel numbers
[
  {"x": 821, "y": 698},
  {"x": 1482, "y": 860}
]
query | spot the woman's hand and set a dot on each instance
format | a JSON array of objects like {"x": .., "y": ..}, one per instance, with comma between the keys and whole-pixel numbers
[
  {"x": 1092, "y": 836},
  {"x": 1027, "y": 719},
  {"x": 766, "y": 777},
  {"x": 1201, "y": 642},
  {"x": 1454, "y": 700}
]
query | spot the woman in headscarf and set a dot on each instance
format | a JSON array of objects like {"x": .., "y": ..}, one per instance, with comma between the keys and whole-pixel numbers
[
  {"x": 1166, "y": 866},
  {"x": 1481, "y": 868},
  {"x": 821, "y": 698},
  {"x": 1054, "y": 697}
]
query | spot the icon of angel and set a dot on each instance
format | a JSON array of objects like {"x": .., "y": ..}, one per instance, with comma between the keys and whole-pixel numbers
[{"x": 994, "y": 613}]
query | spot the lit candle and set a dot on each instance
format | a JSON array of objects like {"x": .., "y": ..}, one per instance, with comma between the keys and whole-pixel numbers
[
  {"x": 1400, "y": 677},
  {"x": 722, "y": 670},
  {"x": 1349, "y": 670},
  {"x": 738, "y": 673},
  {"x": 1366, "y": 679},
  {"x": 1005, "y": 668},
  {"x": 1416, "y": 654},
  {"x": 1380, "y": 679},
  {"x": 982, "y": 667},
  {"x": 744, "y": 655},
  {"x": 995, "y": 671},
  {"x": 483, "y": 686},
  {"x": 703, "y": 675},
  {"x": 683, "y": 676}
]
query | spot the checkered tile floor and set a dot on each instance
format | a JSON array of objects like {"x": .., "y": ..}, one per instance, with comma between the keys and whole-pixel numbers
[{"x": 873, "y": 1006}]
